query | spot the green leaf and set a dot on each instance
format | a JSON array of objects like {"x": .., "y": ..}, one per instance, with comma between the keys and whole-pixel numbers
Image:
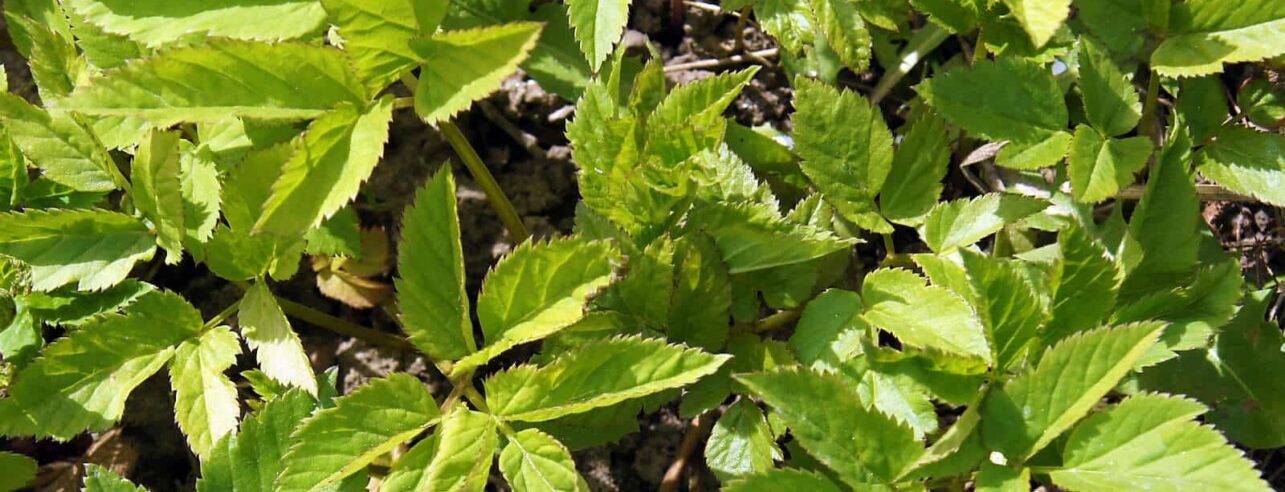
[
  {"x": 1008, "y": 305},
  {"x": 456, "y": 458},
  {"x": 158, "y": 22},
  {"x": 277, "y": 348},
  {"x": 755, "y": 237},
  {"x": 960, "y": 223},
  {"x": 646, "y": 289},
  {"x": 68, "y": 307},
  {"x": 1034, "y": 155},
  {"x": 1150, "y": 442},
  {"x": 1236, "y": 377},
  {"x": 330, "y": 161},
  {"x": 1099, "y": 167},
  {"x": 921, "y": 315},
  {"x": 377, "y": 35},
  {"x": 700, "y": 309},
  {"x": 1039, "y": 18},
  {"x": 16, "y": 470},
  {"x": 1005, "y": 99},
  {"x": 82, "y": 380},
  {"x": 789, "y": 22},
  {"x": 430, "y": 282},
  {"x": 536, "y": 291},
  {"x": 864, "y": 447},
  {"x": 40, "y": 31},
  {"x": 466, "y": 65},
  {"x": 175, "y": 85},
  {"x": 95, "y": 248},
  {"x": 339, "y": 441},
  {"x": 535, "y": 461},
  {"x": 846, "y": 149},
  {"x": 741, "y": 443},
  {"x": 914, "y": 182},
  {"x": 340, "y": 235},
  {"x": 1119, "y": 24},
  {"x": 995, "y": 478},
  {"x": 205, "y": 401},
  {"x": 842, "y": 26},
  {"x": 957, "y": 16},
  {"x": 1027, "y": 413},
  {"x": 157, "y": 190},
  {"x": 782, "y": 479},
  {"x": 1083, "y": 284},
  {"x": 1164, "y": 228},
  {"x": 201, "y": 189},
  {"x": 1110, "y": 102},
  {"x": 1208, "y": 33},
  {"x": 103, "y": 50},
  {"x": 1194, "y": 311},
  {"x": 829, "y": 330},
  {"x": 60, "y": 146},
  {"x": 598, "y": 26},
  {"x": 690, "y": 119},
  {"x": 597, "y": 374},
  {"x": 249, "y": 460},
  {"x": 1202, "y": 104},
  {"x": 102, "y": 479},
  {"x": 1248, "y": 162}
]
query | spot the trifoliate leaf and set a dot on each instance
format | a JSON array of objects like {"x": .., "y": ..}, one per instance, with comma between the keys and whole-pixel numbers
[
  {"x": 205, "y": 401},
  {"x": 330, "y": 161},
  {"x": 157, "y": 190},
  {"x": 1208, "y": 33},
  {"x": 430, "y": 283},
  {"x": 1083, "y": 284},
  {"x": 914, "y": 182},
  {"x": 60, "y": 146},
  {"x": 377, "y": 35},
  {"x": 1007, "y": 305},
  {"x": 18, "y": 470},
  {"x": 782, "y": 479},
  {"x": 1039, "y": 18},
  {"x": 846, "y": 33},
  {"x": 960, "y": 223},
  {"x": 870, "y": 450},
  {"x": 846, "y": 149},
  {"x": 1150, "y": 442},
  {"x": 256, "y": 80},
  {"x": 95, "y": 248},
  {"x": 741, "y": 443},
  {"x": 537, "y": 290},
  {"x": 598, "y": 374},
  {"x": 466, "y": 65},
  {"x": 1034, "y": 155},
  {"x": 1247, "y": 161},
  {"x": 699, "y": 312},
  {"x": 921, "y": 315},
  {"x": 1236, "y": 377},
  {"x": 82, "y": 380},
  {"x": 1099, "y": 168},
  {"x": 535, "y": 461},
  {"x": 1005, "y": 99},
  {"x": 277, "y": 348},
  {"x": 249, "y": 460},
  {"x": 337, "y": 442},
  {"x": 456, "y": 458},
  {"x": 103, "y": 479},
  {"x": 598, "y": 25},
  {"x": 1110, "y": 102},
  {"x": 155, "y": 23},
  {"x": 1033, "y": 409}
]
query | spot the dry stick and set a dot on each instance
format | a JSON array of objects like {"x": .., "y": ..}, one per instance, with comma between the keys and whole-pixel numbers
[
  {"x": 1206, "y": 193},
  {"x": 526, "y": 140},
  {"x": 481, "y": 175},
  {"x": 722, "y": 62},
  {"x": 924, "y": 41},
  {"x": 696, "y": 433}
]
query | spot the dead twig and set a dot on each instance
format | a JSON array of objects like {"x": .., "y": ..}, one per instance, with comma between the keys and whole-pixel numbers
[
  {"x": 723, "y": 62},
  {"x": 696, "y": 432},
  {"x": 1206, "y": 193},
  {"x": 526, "y": 140}
]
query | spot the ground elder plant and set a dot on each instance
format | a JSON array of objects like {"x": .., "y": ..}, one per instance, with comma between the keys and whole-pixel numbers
[{"x": 987, "y": 269}]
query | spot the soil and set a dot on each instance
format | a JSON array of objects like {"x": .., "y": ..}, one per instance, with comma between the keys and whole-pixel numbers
[{"x": 539, "y": 177}]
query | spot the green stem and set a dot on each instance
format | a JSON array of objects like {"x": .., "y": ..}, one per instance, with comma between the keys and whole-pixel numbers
[
  {"x": 485, "y": 180},
  {"x": 223, "y": 315},
  {"x": 1149, "y": 115},
  {"x": 403, "y": 103},
  {"x": 337, "y": 325},
  {"x": 499, "y": 201},
  {"x": 924, "y": 41},
  {"x": 771, "y": 322}
]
